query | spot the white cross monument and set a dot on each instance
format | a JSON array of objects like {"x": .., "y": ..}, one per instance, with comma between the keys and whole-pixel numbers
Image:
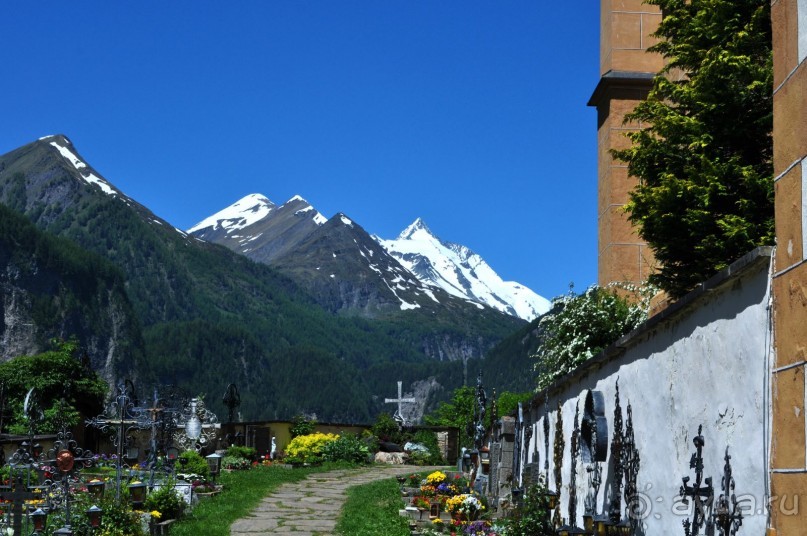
[{"x": 398, "y": 417}]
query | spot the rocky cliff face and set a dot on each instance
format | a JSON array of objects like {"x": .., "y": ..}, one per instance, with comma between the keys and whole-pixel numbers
[{"x": 50, "y": 288}]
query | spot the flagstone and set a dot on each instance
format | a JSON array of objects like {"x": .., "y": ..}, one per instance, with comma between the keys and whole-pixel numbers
[{"x": 310, "y": 507}]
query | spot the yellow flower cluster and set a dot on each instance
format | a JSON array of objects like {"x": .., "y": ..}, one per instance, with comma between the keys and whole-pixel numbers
[
  {"x": 436, "y": 478},
  {"x": 464, "y": 503},
  {"x": 309, "y": 446}
]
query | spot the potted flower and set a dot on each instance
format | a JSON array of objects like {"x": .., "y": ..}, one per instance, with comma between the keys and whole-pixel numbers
[
  {"x": 436, "y": 478},
  {"x": 420, "y": 502},
  {"x": 464, "y": 507}
]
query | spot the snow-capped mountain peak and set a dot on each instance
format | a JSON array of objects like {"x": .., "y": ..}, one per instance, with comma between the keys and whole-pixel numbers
[
  {"x": 276, "y": 234},
  {"x": 318, "y": 218},
  {"x": 416, "y": 230},
  {"x": 244, "y": 212},
  {"x": 461, "y": 272}
]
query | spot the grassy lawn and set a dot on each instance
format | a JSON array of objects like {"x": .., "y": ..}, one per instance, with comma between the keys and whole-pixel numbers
[
  {"x": 372, "y": 510},
  {"x": 242, "y": 492}
]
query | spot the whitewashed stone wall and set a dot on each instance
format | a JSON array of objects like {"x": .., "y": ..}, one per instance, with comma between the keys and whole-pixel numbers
[{"x": 703, "y": 362}]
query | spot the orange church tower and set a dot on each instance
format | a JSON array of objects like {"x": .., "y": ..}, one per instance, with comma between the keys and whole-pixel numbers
[{"x": 626, "y": 71}]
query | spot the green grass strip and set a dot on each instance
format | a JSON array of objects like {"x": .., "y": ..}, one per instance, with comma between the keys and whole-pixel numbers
[
  {"x": 243, "y": 490},
  {"x": 372, "y": 510}
]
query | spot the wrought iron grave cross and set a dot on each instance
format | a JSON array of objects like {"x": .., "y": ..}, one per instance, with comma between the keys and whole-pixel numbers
[
  {"x": 399, "y": 418},
  {"x": 17, "y": 492},
  {"x": 701, "y": 494}
]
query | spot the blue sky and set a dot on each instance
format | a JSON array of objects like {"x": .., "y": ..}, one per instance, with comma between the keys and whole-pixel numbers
[{"x": 471, "y": 115}]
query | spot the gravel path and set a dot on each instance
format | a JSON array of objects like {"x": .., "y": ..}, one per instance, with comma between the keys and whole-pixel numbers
[{"x": 310, "y": 507}]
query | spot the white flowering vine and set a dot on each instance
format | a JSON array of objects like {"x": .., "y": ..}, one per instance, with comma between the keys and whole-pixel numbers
[{"x": 578, "y": 327}]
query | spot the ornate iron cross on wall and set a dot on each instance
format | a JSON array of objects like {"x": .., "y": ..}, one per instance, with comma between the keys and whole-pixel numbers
[
  {"x": 399, "y": 418},
  {"x": 703, "y": 495},
  {"x": 728, "y": 514}
]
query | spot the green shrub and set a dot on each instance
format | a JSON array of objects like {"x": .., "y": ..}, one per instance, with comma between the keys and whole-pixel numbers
[
  {"x": 30, "y": 477},
  {"x": 301, "y": 425},
  {"x": 235, "y": 462},
  {"x": 370, "y": 440},
  {"x": 533, "y": 517},
  {"x": 166, "y": 500},
  {"x": 194, "y": 464},
  {"x": 119, "y": 519},
  {"x": 386, "y": 429},
  {"x": 347, "y": 448},
  {"x": 248, "y": 453}
]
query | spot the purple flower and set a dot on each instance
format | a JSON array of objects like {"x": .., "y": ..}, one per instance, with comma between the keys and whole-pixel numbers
[{"x": 478, "y": 528}]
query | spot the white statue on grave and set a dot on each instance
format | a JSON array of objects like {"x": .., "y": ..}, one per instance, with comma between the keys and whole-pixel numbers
[{"x": 273, "y": 452}]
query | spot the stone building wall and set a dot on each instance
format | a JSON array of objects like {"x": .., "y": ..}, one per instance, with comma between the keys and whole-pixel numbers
[
  {"x": 702, "y": 362},
  {"x": 626, "y": 71},
  {"x": 788, "y": 442}
]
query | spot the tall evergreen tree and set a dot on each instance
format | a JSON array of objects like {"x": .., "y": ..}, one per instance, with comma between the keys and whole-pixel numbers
[{"x": 704, "y": 154}]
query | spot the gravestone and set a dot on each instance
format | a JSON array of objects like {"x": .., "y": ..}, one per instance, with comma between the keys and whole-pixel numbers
[
  {"x": 504, "y": 470},
  {"x": 183, "y": 487},
  {"x": 495, "y": 456}
]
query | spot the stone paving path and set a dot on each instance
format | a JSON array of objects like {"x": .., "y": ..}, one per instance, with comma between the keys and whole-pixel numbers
[{"x": 310, "y": 507}]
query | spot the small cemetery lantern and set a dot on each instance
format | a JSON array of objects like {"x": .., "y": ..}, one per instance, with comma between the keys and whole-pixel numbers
[
  {"x": 96, "y": 488},
  {"x": 94, "y": 516},
  {"x": 551, "y": 498},
  {"x": 172, "y": 454},
  {"x": 214, "y": 463},
  {"x": 588, "y": 523},
  {"x": 466, "y": 462},
  {"x": 64, "y": 531},
  {"x": 137, "y": 494},
  {"x": 601, "y": 525},
  {"x": 39, "y": 518}
]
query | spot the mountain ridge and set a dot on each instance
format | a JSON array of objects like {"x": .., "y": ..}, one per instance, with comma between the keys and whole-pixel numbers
[
  {"x": 437, "y": 264},
  {"x": 461, "y": 272},
  {"x": 210, "y": 316}
]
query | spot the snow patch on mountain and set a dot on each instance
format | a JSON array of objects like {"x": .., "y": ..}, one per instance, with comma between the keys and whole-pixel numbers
[
  {"x": 461, "y": 272},
  {"x": 81, "y": 167},
  {"x": 244, "y": 212},
  {"x": 252, "y": 209}
]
